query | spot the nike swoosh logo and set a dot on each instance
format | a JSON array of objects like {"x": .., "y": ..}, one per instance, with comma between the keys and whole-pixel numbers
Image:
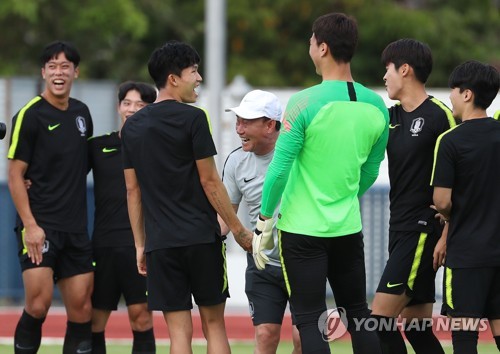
[
  {"x": 80, "y": 351},
  {"x": 249, "y": 179},
  {"x": 52, "y": 127},
  {"x": 389, "y": 285},
  {"x": 84, "y": 347},
  {"x": 106, "y": 150},
  {"x": 391, "y": 126},
  {"x": 18, "y": 346}
]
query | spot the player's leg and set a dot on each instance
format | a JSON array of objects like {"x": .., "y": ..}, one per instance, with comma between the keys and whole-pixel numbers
[
  {"x": 267, "y": 298},
  {"x": 141, "y": 322},
  {"x": 99, "y": 321},
  {"x": 214, "y": 328},
  {"x": 418, "y": 328},
  {"x": 75, "y": 280},
  {"x": 169, "y": 291},
  {"x": 417, "y": 314},
  {"x": 267, "y": 338},
  {"x": 133, "y": 287},
  {"x": 297, "y": 347},
  {"x": 180, "y": 330},
  {"x": 304, "y": 264},
  {"x": 495, "y": 330},
  {"x": 385, "y": 309},
  {"x": 465, "y": 300},
  {"x": 210, "y": 290},
  {"x": 105, "y": 296},
  {"x": 75, "y": 293},
  {"x": 493, "y": 307},
  {"x": 395, "y": 287},
  {"x": 38, "y": 288},
  {"x": 347, "y": 276}
]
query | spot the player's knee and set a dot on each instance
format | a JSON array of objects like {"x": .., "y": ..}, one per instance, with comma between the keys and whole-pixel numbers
[
  {"x": 388, "y": 305},
  {"x": 141, "y": 321},
  {"x": 79, "y": 311},
  {"x": 308, "y": 318},
  {"x": 86, "y": 307},
  {"x": 38, "y": 308},
  {"x": 267, "y": 335}
]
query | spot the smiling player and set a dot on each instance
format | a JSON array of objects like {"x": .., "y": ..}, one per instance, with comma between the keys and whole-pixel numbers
[{"x": 49, "y": 147}]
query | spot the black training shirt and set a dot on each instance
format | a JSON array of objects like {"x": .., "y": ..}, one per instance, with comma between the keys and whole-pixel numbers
[
  {"x": 54, "y": 145},
  {"x": 111, "y": 221},
  {"x": 410, "y": 152},
  {"x": 468, "y": 162},
  {"x": 162, "y": 143}
]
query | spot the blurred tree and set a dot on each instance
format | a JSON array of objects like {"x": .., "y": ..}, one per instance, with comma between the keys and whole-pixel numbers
[
  {"x": 104, "y": 31},
  {"x": 268, "y": 41},
  {"x": 270, "y": 47}
]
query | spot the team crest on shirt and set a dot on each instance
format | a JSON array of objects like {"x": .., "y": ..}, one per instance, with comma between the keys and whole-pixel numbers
[
  {"x": 416, "y": 126},
  {"x": 81, "y": 125}
]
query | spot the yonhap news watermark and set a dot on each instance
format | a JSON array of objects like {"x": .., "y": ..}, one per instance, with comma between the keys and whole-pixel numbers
[{"x": 333, "y": 324}]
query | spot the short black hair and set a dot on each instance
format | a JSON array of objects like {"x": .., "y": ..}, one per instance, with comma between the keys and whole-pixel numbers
[
  {"x": 147, "y": 92},
  {"x": 482, "y": 79},
  {"x": 409, "y": 51},
  {"x": 339, "y": 32},
  {"x": 53, "y": 49},
  {"x": 171, "y": 58}
]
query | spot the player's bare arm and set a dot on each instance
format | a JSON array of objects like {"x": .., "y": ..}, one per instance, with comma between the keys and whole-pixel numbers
[
  {"x": 136, "y": 217},
  {"x": 439, "y": 255},
  {"x": 218, "y": 197},
  {"x": 442, "y": 201},
  {"x": 34, "y": 236},
  {"x": 224, "y": 229}
]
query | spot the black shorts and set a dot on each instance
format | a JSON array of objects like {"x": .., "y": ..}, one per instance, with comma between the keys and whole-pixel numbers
[
  {"x": 174, "y": 274},
  {"x": 266, "y": 292},
  {"x": 409, "y": 267},
  {"x": 116, "y": 274},
  {"x": 68, "y": 254},
  {"x": 471, "y": 292}
]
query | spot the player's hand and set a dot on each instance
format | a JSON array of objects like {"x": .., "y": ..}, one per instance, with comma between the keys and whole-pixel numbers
[
  {"x": 442, "y": 219},
  {"x": 262, "y": 240},
  {"x": 141, "y": 261},
  {"x": 27, "y": 183},
  {"x": 439, "y": 255},
  {"x": 34, "y": 239}
]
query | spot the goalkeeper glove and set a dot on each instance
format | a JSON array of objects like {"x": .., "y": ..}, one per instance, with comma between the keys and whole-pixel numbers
[{"x": 262, "y": 240}]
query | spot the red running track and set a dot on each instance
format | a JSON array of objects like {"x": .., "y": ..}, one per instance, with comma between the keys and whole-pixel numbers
[{"x": 238, "y": 326}]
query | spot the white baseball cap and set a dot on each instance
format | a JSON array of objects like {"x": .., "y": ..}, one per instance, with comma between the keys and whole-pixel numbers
[{"x": 258, "y": 104}]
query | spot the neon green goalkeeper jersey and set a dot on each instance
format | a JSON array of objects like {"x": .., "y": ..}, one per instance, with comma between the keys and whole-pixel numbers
[{"x": 328, "y": 154}]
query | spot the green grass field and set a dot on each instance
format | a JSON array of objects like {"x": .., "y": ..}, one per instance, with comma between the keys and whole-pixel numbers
[{"x": 340, "y": 347}]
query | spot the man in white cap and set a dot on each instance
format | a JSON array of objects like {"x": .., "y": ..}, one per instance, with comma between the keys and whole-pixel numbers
[{"x": 258, "y": 121}]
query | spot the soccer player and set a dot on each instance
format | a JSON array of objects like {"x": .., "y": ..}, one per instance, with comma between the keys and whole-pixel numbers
[
  {"x": 466, "y": 192},
  {"x": 258, "y": 121},
  {"x": 49, "y": 147},
  {"x": 327, "y": 155},
  {"x": 112, "y": 239},
  {"x": 174, "y": 195},
  {"x": 407, "y": 285}
]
